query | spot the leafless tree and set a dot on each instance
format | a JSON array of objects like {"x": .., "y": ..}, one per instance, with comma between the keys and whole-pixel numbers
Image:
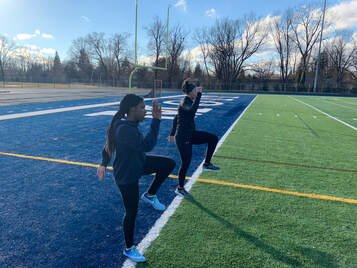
[
  {"x": 263, "y": 70},
  {"x": 79, "y": 44},
  {"x": 201, "y": 37},
  {"x": 231, "y": 43},
  {"x": 99, "y": 49},
  {"x": 281, "y": 31},
  {"x": 7, "y": 49},
  {"x": 341, "y": 55},
  {"x": 24, "y": 60},
  {"x": 176, "y": 45},
  {"x": 118, "y": 45},
  {"x": 353, "y": 67},
  {"x": 156, "y": 34},
  {"x": 306, "y": 26}
]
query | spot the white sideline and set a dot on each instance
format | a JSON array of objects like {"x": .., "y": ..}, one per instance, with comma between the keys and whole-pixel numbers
[
  {"x": 67, "y": 109},
  {"x": 313, "y": 107},
  {"x": 160, "y": 222}
]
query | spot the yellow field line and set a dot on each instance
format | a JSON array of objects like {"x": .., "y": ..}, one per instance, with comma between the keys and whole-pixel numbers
[
  {"x": 52, "y": 160},
  {"x": 238, "y": 185},
  {"x": 265, "y": 189}
]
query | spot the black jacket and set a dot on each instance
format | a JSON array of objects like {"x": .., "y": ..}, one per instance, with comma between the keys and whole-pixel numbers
[
  {"x": 183, "y": 124},
  {"x": 130, "y": 148}
]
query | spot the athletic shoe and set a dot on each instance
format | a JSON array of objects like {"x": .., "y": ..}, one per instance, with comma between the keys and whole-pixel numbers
[
  {"x": 134, "y": 254},
  {"x": 183, "y": 193},
  {"x": 154, "y": 201},
  {"x": 210, "y": 167}
]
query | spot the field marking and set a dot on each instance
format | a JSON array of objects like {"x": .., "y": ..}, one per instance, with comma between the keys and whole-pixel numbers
[
  {"x": 72, "y": 108},
  {"x": 51, "y": 160},
  {"x": 273, "y": 190},
  {"x": 313, "y": 107},
  {"x": 194, "y": 178},
  {"x": 338, "y": 104}
]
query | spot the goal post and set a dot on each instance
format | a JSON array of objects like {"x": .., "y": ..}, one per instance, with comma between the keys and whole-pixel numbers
[{"x": 138, "y": 66}]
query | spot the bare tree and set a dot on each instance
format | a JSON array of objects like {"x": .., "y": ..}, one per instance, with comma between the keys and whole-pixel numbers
[
  {"x": 263, "y": 69},
  {"x": 7, "y": 49},
  {"x": 80, "y": 65},
  {"x": 156, "y": 34},
  {"x": 176, "y": 46},
  {"x": 119, "y": 44},
  {"x": 281, "y": 31},
  {"x": 201, "y": 37},
  {"x": 99, "y": 49},
  {"x": 353, "y": 68},
  {"x": 306, "y": 26},
  {"x": 78, "y": 46},
  {"x": 231, "y": 44},
  {"x": 340, "y": 55}
]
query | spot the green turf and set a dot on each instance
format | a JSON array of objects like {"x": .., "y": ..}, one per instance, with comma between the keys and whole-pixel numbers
[{"x": 279, "y": 143}]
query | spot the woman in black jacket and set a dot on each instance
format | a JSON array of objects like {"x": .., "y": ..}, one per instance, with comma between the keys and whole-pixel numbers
[
  {"x": 185, "y": 134},
  {"x": 131, "y": 162}
]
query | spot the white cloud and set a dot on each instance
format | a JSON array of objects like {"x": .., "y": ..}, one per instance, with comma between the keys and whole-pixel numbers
[
  {"x": 194, "y": 54},
  {"x": 27, "y": 36},
  {"x": 48, "y": 51},
  {"x": 181, "y": 4},
  {"x": 47, "y": 36},
  {"x": 34, "y": 52},
  {"x": 343, "y": 16},
  {"x": 24, "y": 36},
  {"x": 85, "y": 19},
  {"x": 146, "y": 60},
  {"x": 211, "y": 13},
  {"x": 31, "y": 47}
]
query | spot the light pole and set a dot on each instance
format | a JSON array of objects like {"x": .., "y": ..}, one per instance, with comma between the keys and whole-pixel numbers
[{"x": 318, "y": 55}]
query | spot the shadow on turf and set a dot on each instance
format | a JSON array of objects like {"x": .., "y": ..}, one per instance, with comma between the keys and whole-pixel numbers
[
  {"x": 278, "y": 255},
  {"x": 320, "y": 258}
]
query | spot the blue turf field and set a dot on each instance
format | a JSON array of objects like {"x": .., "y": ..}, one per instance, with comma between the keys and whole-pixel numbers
[{"x": 60, "y": 215}]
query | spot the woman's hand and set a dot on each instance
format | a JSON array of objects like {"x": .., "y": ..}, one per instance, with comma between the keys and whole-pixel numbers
[
  {"x": 171, "y": 138},
  {"x": 156, "y": 109},
  {"x": 101, "y": 172},
  {"x": 199, "y": 89}
]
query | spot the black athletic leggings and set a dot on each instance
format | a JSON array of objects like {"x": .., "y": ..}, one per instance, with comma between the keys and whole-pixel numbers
[
  {"x": 162, "y": 166},
  {"x": 185, "y": 148}
]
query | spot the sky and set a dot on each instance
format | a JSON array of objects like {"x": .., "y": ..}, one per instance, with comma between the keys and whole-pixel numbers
[{"x": 47, "y": 26}]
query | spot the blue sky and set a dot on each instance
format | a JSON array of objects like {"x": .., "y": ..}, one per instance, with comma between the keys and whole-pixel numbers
[{"x": 52, "y": 24}]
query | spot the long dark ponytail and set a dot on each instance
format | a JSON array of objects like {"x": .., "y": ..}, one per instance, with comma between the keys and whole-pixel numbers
[{"x": 129, "y": 101}]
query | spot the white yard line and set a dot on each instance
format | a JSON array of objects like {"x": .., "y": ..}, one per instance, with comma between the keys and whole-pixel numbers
[
  {"x": 313, "y": 107},
  {"x": 160, "y": 222},
  {"x": 67, "y": 109}
]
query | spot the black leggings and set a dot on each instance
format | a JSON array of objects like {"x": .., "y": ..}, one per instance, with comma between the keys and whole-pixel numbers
[
  {"x": 185, "y": 148},
  {"x": 162, "y": 166}
]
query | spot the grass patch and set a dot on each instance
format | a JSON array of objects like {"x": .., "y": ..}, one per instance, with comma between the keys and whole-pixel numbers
[{"x": 279, "y": 143}]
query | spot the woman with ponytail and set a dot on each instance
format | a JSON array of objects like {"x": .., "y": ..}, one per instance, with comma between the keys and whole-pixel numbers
[
  {"x": 130, "y": 162},
  {"x": 184, "y": 133}
]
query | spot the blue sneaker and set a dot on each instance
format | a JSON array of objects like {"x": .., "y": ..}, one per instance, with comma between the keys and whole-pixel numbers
[
  {"x": 210, "y": 167},
  {"x": 154, "y": 201},
  {"x": 134, "y": 254}
]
